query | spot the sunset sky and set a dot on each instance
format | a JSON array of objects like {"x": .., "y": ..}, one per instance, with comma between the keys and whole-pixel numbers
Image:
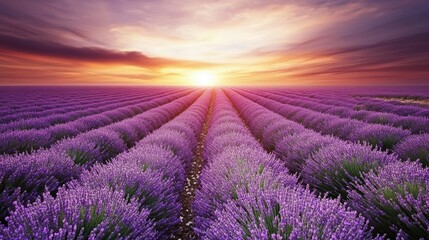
[{"x": 237, "y": 42}]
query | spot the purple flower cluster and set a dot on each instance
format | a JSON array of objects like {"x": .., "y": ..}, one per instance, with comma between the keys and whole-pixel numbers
[
  {"x": 92, "y": 147},
  {"x": 290, "y": 141},
  {"x": 102, "y": 144},
  {"x": 173, "y": 140},
  {"x": 65, "y": 160},
  {"x": 277, "y": 131},
  {"x": 61, "y": 104},
  {"x": 146, "y": 186},
  {"x": 234, "y": 169},
  {"x": 27, "y": 140},
  {"x": 152, "y": 174},
  {"x": 236, "y": 161},
  {"x": 335, "y": 167},
  {"x": 415, "y": 124},
  {"x": 116, "y": 166},
  {"x": 246, "y": 193},
  {"x": 403, "y": 110},
  {"x": 395, "y": 200},
  {"x": 159, "y": 159},
  {"x": 229, "y": 139},
  {"x": 286, "y": 213},
  {"x": 414, "y": 147},
  {"x": 80, "y": 213},
  {"x": 325, "y": 163},
  {"x": 295, "y": 149},
  {"x": 25, "y": 177},
  {"x": 382, "y": 136}
]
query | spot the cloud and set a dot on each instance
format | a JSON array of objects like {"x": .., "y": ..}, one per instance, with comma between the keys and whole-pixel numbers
[
  {"x": 89, "y": 54},
  {"x": 409, "y": 53},
  {"x": 248, "y": 42}
]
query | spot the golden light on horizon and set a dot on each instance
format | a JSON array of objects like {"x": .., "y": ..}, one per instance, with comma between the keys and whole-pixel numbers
[{"x": 203, "y": 79}]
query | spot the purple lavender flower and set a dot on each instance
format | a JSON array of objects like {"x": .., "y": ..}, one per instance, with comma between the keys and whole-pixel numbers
[
  {"x": 127, "y": 133},
  {"x": 186, "y": 129},
  {"x": 414, "y": 123},
  {"x": 225, "y": 118},
  {"x": 158, "y": 158},
  {"x": 274, "y": 132},
  {"x": 23, "y": 141},
  {"x": 259, "y": 123},
  {"x": 62, "y": 131},
  {"x": 395, "y": 200},
  {"x": 220, "y": 128},
  {"x": 334, "y": 167},
  {"x": 414, "y": 147},
  {"x": 23, "y": 178},
  {"x": 92, "y": 122},
  {"x": 175, "y": 141},
  {"x": 342, "y": 128},
  {"x": 294, "y": 149},
  {"x": 359, "y": 113},
  {"x": 80, "y": 213},
  {"x": 380, "y": 118},
  {"x": 286, "y": 213},
  {"x": 234, "y": 169},
  {"x": 93, "y": 147},
  {"x": 143, "y": 184},
  {"x": 229, "y": 139},
  {"x": 106, "y": 141},
  {"x": 82, "y": 152},
  {"x": 381, "y": 136}
]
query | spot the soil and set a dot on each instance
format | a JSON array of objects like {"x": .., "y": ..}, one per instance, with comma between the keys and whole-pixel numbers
[
  {"x": 424, "y": 102},
  {"x": 193, "y": 184}
]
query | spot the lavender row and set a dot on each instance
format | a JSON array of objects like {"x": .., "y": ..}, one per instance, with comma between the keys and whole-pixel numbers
[
  {"x": 406, "y": 146},
  {"x": 33, "y": 139},
  {"x": 320, "y": 160},
  {"x": 49, "y": 105},
  {"x": 384, "y": 137},
  {"x": 414, "y": 124},
  {"x": 47, "y": 100},
  {"x": 394, "y": 107},
  {"x": 168, "y": 153},
  {"x": 413, "y": 147},
  {"x": 247, "y": 194},
  {"x": 25, "y": 177},
  {"x": 80, "y": 213},
  {"x": 372, "y": 104},
  {"x": 61, "y": 114},
  {"x": 27, "y": 97},
  {"x": 71, "y": 114},
  {"x": 11, "y": 98},
  {"x": 141, "y": 182},
  {"x": 390, "y": 193}
]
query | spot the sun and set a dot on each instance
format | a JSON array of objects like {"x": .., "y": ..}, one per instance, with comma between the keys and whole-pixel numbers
[{"x": 203, "y": 79}]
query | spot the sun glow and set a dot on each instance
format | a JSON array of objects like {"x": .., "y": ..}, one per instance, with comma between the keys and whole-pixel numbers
[{"x": 203, "y": 79}]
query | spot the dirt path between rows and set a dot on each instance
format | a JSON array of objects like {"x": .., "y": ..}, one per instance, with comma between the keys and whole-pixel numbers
[{"x": 192, "y": 183}]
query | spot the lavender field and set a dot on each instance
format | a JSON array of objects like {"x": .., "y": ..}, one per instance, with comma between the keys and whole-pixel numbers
[{"x": 214, "y": 163}]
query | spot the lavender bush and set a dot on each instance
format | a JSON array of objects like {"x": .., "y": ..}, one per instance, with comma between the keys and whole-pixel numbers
[
  {"x": 286, "y": 213},
  {"x": 380, "y": 136},
  {"x": 235, "y": 169},
  {"x": 23, "y": 178},
  {"x": 293, "y": 150},
  {"x": 157, "y": 158},
  {"x": 146, "y": 186},
  {"x": 414, "y": 147},
  {"x": 395, "y": 200},
  {"x": 335, "y": 167},
  {"x": 80, "y": 213}
]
